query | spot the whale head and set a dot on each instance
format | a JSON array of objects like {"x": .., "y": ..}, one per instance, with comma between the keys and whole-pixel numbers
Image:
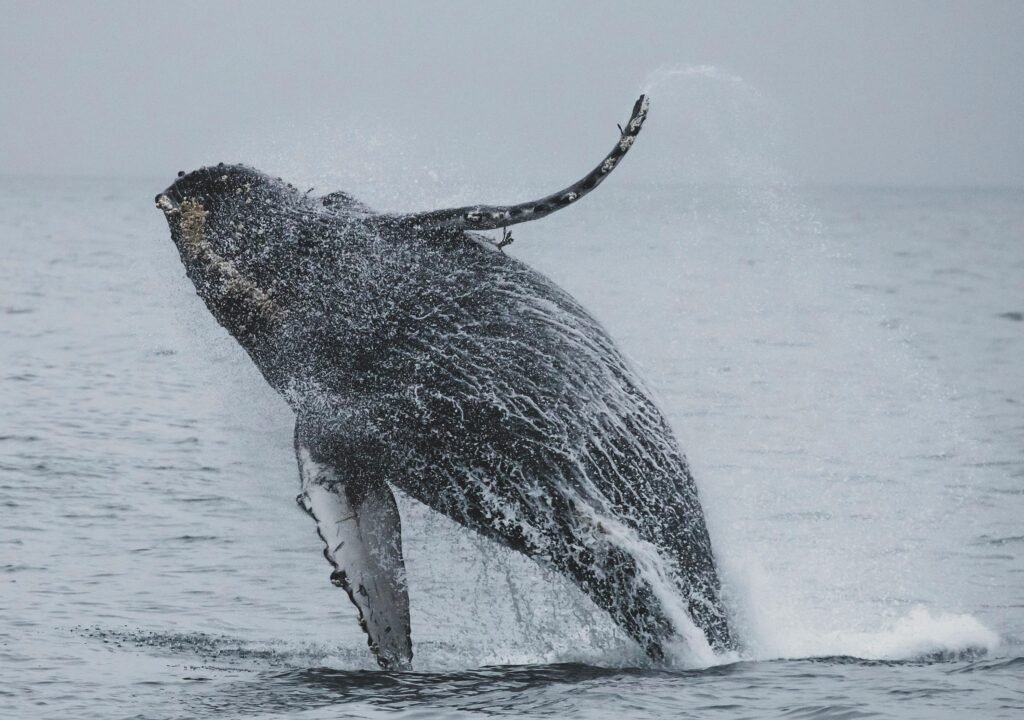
[
  {"x": 229, "y": 223},
  {"x": 231, "y": 211}
]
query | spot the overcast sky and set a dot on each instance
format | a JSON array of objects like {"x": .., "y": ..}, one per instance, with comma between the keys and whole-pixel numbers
[{"x": 918, "y": 93}]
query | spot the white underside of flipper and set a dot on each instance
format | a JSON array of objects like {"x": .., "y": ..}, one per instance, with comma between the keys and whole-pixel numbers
[{"x": 362, "y": 538}]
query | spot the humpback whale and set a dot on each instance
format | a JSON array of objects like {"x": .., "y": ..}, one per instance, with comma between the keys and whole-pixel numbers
[{"x": 417, "y": 354}]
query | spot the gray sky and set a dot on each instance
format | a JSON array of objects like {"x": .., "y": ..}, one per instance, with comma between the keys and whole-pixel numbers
[{"x": 839, "y": 92}]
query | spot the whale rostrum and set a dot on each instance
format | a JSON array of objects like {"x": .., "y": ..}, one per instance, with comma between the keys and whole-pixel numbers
[{"x": 415, "y": 356}]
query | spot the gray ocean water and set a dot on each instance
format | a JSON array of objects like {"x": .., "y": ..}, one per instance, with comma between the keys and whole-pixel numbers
[{"x": 842, "y": 366}]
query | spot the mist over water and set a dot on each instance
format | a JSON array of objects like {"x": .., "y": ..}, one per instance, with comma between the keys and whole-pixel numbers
[{"x": 840, "y": 366}]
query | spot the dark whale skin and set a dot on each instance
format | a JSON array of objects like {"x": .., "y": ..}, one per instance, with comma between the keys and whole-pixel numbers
[{"x": 425, "y": 358}]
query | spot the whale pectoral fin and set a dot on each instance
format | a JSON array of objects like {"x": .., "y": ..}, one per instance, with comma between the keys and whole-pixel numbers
[
  {"x": 493, "y": 217},
  {"x": 362, "y": 534}
]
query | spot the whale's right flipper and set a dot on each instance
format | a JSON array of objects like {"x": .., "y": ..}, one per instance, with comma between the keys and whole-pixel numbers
[
  {"x": 493, "y": 217},
  {"x": 359, "y": 523}
]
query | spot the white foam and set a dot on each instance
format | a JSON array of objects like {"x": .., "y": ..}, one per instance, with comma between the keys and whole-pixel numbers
[{"x": 920, "y": 633}]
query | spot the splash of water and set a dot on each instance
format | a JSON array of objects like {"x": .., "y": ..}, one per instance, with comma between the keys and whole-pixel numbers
[{"x": 815, "y": 546}]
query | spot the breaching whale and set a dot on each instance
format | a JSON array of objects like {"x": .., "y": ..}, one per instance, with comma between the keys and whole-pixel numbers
[{"x": 417, "y": 354}]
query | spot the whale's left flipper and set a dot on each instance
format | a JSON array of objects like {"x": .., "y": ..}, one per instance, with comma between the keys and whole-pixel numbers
[{"x": 359, "y": 523}]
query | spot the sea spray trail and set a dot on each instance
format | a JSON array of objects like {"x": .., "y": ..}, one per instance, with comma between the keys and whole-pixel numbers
[{"x": 802, "y": 304}]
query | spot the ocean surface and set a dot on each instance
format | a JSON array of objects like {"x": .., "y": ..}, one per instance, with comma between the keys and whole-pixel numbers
[{"x": 844, "y": 368}]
